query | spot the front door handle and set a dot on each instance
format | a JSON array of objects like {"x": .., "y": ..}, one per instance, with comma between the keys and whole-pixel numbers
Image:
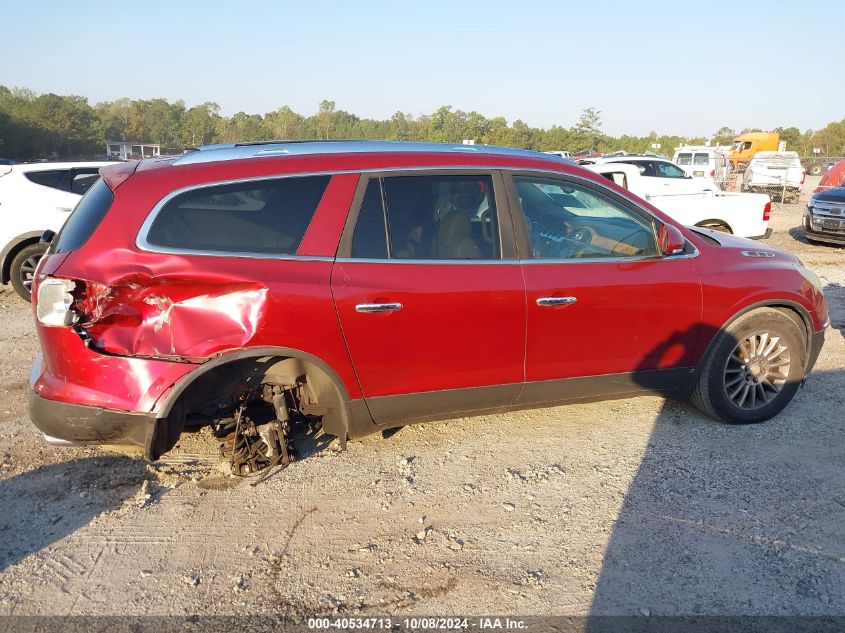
[
  {"x": 378, "y": 307},
  {"x": 555, "y": 301}
]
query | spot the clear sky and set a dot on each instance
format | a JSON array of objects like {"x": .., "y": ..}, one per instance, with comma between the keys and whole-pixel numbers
[{"x": 685, "y": 67}]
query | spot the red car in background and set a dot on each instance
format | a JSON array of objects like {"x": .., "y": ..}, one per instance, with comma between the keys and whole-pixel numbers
[
  {"x": 833, "y": 177},
  {"x": 366, "y": 285}
]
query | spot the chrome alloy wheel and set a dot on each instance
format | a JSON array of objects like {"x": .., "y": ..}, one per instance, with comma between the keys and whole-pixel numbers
[
  {"x": 756, "y": 370},
  {"x": 27, "y": 271}
]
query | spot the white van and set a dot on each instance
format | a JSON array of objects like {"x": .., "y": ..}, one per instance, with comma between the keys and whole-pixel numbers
[
  {"x": 780, "y": 174},
  {"x": 704, "y": 162}
]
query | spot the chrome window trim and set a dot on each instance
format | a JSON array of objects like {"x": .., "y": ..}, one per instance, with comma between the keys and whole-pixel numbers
[
  {"x": 498, "y": 262},
  {"x": 427, "y": 262},
  {"x": 142, "y": 244}
]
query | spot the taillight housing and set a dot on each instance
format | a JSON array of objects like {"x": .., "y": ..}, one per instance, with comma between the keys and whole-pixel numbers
[
  {"x": 767, "y": 211},
  {"x": 712, "y": 173},
  {"x": 53, "y": 302},
  {"x": 803, "y": 176}
]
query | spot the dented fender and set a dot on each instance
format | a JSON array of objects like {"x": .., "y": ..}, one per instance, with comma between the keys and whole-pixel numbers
[{"x": 170, "y": 317}]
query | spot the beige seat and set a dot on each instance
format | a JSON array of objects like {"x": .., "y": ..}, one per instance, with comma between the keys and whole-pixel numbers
[{"x": 454, "y": 238}]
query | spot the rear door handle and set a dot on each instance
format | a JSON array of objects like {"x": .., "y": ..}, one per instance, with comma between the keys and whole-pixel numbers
[
  {"x": 378, "y": 307},
  {"x": 555, "y": 301}
]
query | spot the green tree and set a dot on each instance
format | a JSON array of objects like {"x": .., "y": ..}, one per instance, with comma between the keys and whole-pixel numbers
[{"x": 587, "y": 131}]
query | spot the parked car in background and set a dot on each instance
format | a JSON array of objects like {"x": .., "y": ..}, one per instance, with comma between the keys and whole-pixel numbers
[
  {"x": 661, "y": 172},
  {"x": 833, "y": 177},
  {"x": 366, "y": 285},
  {"x": 35, "y": 197},
  {"x": 704, "y": 162},
  {"x": 561, "y": 153},
  {"x": 779, "y": 174},
  {"x": 743, "y": 214},
  {"x": 746, "y": 146},
  {"x": 824, "y": 218},
  {"x": 587, "y": 153}
]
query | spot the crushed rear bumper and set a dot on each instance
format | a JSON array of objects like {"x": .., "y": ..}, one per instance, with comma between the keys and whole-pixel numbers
[{"x": 73, "y": 424}]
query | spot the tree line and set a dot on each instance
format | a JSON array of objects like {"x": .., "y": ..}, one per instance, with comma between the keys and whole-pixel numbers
[{"x": 37, "y": 126}]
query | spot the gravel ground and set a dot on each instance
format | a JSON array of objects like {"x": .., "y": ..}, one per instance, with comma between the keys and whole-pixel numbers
[{"x": 637, "y": 506}]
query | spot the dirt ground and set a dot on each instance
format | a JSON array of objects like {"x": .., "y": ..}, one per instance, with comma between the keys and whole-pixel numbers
[{"x": 636, "y": 506}]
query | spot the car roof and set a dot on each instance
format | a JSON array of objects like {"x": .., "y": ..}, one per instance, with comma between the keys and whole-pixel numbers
[
  {"x": 784, "y": 155},
  {"x": 606, "y": 166},
  {"x": 25, "y": 167},
  {"x": 633, "y": 158},
  {"x": 237, "y": 151}
]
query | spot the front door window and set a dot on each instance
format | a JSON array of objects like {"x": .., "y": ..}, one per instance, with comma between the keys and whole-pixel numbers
[{"x": 567, "y": 221}]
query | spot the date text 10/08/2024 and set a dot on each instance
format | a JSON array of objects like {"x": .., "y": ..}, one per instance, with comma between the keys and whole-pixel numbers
[{"x": 418, "y": 623}]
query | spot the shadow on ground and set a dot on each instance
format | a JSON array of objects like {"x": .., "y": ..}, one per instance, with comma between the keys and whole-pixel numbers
[
  {"x": 746, "y": 521},
  {"x": 42, "y": 506}
]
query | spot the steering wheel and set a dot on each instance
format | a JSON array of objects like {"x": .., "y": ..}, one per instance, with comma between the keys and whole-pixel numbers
[{"x": 582, "y": 237}]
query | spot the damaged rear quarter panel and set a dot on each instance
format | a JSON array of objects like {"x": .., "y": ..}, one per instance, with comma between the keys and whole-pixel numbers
[
  {"x": 170, "y": 316},
  {"x": 191, "y": 307}
]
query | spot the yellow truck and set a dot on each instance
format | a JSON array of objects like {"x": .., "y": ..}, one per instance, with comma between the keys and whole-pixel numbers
[{"x": 746, "y": 146}]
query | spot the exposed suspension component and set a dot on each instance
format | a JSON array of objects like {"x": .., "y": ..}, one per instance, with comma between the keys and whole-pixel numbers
[{"x": 255, "y": 430}]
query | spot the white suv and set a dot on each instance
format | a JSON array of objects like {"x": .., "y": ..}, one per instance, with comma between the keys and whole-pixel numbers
[
  {"x": 661, "y": 173},
  {"x": 36, "y": 197}
]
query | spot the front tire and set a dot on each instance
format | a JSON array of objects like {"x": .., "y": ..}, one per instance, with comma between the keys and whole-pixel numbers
[
  {"x": 752, "y": 369},
  {"x": 22, "y": 269}
]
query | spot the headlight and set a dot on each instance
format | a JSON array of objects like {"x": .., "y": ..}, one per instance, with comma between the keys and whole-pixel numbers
[{"x": 54, "y": 301}]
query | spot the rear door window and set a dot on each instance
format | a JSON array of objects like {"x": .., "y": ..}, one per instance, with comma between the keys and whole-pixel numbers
[
  {"x": 428, "y": 218},
  {"x": 82, "y": 179},
  {"x": 701, "y": 159},
  {"x": 684, "y": 158},
  {"x": 261, "y": 217}
]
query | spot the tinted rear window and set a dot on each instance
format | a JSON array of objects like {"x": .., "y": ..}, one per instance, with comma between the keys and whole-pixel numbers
[
  {"x": 87, "y": 215},
  {"x": 53, "y": 178},
  {"x": 263, "y": 217}
]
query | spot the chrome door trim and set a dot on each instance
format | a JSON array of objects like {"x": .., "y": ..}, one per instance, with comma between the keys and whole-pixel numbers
[
  {"x": 378, "y": 307},
  {"x": 556, "y": 301}
]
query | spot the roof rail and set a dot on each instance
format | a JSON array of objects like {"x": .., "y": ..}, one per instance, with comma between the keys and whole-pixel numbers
[{"x": 234, "y": 151}]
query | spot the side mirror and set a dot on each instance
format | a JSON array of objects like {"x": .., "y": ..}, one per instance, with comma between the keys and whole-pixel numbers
[
  {"x": 671, "y": 240},
  {"x": 47, "y": 236}
]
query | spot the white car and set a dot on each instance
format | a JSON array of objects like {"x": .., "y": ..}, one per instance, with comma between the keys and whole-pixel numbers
[
  {"x": 659, "y": 173},
  {"x": 704, "y": 162},
  {"x": 560, "y": 152},
  {"x": 36, "y": 197},
  {"x": 780, "y": 174},
  {"x": 743, "y": 214}
]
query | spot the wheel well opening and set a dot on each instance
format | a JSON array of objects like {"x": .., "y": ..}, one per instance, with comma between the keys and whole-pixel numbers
[
  {"x": 6, "y": 272},
  {"x": 213, "y": 390},
  {"x": 801, "y": 320}
]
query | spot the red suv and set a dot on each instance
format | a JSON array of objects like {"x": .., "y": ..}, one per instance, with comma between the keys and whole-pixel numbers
[{"x": 366, "y": 285}]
